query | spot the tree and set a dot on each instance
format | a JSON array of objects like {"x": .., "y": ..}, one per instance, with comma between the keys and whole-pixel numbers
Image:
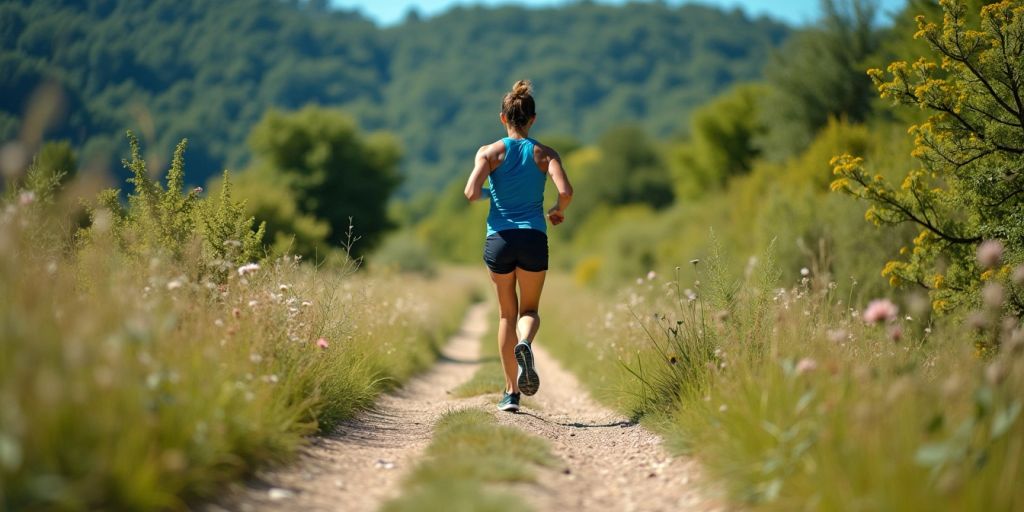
[
  {"x": 818, "y": 74},
  {"x": 338, "y": 174},
  {"x": 970, "y": 185},
  {"x": 722, "y": 141}
]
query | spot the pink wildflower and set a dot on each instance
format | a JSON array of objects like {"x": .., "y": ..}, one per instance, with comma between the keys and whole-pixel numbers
[
  {"x": 248, "y": 268},
  {"x": 880, "y": 310},
  {"x": 26, "y": 198},
  {"x": 651, "y": 275},
  {"x": 198, "y": 190},
  {"x": 806, "y": 365},
  {"x": 989, "y": 253},
  {"x": 322, "y": 343}
]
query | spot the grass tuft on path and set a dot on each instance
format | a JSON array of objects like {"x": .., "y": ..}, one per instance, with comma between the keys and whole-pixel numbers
[{"x": 469, "y": 450}]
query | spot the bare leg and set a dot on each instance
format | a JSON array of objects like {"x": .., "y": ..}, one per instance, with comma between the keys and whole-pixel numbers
[
  {"x": 530, "y": 286},
  {"x": 508, "y": 311}
]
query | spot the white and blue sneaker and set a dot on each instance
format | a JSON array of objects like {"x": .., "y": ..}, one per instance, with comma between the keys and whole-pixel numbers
[
  {"x": 528, "y": 379},
  {"x": 509, "y": 402}
]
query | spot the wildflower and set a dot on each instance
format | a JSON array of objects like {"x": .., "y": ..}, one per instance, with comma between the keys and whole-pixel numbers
[
  {"x": 197, "y": 190},
  {"x": 977, "y": 320},
  {"x": 690, "y": 295},
  {"x": 806, "y": 365},
  {"x": 992, "y": 295},
  {"x": 322, "y": 343},
  {"x": 1018, "y": 276},
  {"x": 255, "y": 358},
  {"x": 174, "y": 284},
  {"x": 880, "y": 310},
  {"x": 989, "y": 253},
  {"x": 723, "y": 408},
  {"x": 805, "y": 272},
  {"x": 995, "y": 373},
  {"x": 218, "y": 322},
  {"x": 639, "y": 280},
  {"x": 248, "y": 268},
  {"x": 895, "y": 333},
  {"x": 836, "y": 335},
  {"x": 26, "y": 198},
  {"x": 253, "y": 303},
  {"x": 651, "y": 275}
]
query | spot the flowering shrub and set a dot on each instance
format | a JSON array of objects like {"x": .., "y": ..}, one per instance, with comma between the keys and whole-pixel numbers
[{"x": 968, "y": 187}]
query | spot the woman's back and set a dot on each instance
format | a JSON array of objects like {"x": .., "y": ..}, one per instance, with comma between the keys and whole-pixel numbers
[{"x": 517, "y": 189}]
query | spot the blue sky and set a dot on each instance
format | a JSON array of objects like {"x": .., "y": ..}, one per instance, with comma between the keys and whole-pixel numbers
[{"x": 793, "y": 11}]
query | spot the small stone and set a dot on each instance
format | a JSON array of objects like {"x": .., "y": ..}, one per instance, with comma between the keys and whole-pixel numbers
[
  {"x": 566, "y": 471},
  {"x": 279, "y": 494},
  {"x": 652, "y": 475},
  {"x": 385, "y": 464},
  {"x": 339, "y": 484}
]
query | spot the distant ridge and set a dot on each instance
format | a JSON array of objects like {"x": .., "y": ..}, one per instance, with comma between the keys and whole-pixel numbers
[{"x": 208, "y": 71}]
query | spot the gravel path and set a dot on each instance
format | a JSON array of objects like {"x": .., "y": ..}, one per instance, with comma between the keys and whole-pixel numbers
[{"x": 607, "y": 463}]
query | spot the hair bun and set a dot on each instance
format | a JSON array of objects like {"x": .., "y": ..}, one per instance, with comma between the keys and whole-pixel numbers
[{"x": 522, "y": 88}]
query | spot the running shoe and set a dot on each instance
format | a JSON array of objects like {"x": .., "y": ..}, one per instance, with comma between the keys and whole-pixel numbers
[
  {"x": 528, "y": 379},
  {"x": 509, "y": 402}
]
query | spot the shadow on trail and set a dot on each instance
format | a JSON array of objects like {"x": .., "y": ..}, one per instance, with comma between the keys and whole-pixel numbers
[{"x": 620, "y": 424}]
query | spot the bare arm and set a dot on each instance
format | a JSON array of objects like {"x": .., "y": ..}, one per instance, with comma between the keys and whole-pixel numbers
[
  {"x": 482, "y": 167},
  {"x": 553, "y": 164}
]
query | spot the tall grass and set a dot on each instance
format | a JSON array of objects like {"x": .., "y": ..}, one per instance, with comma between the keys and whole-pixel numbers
[
  {"x": 140, "y": 383},
  {"x": 795, "y": 400}
]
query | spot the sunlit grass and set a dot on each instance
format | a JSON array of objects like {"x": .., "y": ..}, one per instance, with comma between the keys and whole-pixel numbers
[
  {"x": 128, "y": 385},
  {"x": 469, "y": 449},
  {"x": 800, "y": 404}
]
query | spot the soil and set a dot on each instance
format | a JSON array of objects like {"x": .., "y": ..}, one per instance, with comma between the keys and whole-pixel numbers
[{"x": 605, "y": 461}]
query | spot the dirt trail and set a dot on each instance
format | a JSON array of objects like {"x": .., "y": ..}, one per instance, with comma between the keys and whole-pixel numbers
[{"x": 607, "y": 463}]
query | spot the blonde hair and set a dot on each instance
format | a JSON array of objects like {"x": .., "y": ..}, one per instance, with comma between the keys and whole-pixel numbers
[{"x": 518, "y": 105}]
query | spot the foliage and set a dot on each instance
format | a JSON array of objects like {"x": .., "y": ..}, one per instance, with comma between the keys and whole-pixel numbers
[
  {"x": 288, "y": 230},
  {"x": 127, "y": 384},
  {"x": 160, "y": 222},
  {"x": 214, "y": 68},
  {"x": 337, "y": 174},
  {"x": 969, "y": 183},
  {"x": 721, "y": 144},
  {"x": 403, "y": 252},
  {"x": 227, "y": 231},
  {"x": 792, "y": 400},
  {"x": 818, "y": 74},
  {"x": 628, "y": 169}
]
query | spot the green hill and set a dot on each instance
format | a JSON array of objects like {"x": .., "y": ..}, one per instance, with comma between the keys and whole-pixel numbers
[{"x": 209, "y": 70}]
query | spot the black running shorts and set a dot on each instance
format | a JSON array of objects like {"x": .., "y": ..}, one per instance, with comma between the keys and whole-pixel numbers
[{"x": 511, "y": 248}]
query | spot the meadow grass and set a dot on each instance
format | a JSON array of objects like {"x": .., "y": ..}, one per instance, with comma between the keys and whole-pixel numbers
[
  {"x": 792, "y": 400},
  {"x": 470, "y": 451},
  {"x": 129, "y": 384}
]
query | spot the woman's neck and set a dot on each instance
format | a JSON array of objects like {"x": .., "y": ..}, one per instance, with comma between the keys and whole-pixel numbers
[{"x": 515, "y": 133}]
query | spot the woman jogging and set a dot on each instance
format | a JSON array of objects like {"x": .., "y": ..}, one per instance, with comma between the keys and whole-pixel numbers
[{"x": 516, "y": 250}]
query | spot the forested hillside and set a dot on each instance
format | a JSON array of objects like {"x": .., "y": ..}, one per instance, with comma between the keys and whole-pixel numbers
[{"x": 208, "y": 71}]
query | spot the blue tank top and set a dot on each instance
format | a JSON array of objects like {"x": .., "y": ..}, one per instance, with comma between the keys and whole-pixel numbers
[{"x": 517, "y": 190}]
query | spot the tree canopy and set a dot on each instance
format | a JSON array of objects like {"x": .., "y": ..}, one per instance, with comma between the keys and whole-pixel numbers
[{"x": 208, "y": 71}]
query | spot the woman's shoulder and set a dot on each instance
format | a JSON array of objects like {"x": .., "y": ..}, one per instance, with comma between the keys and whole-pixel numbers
[{"x": 542, "y": 152}]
